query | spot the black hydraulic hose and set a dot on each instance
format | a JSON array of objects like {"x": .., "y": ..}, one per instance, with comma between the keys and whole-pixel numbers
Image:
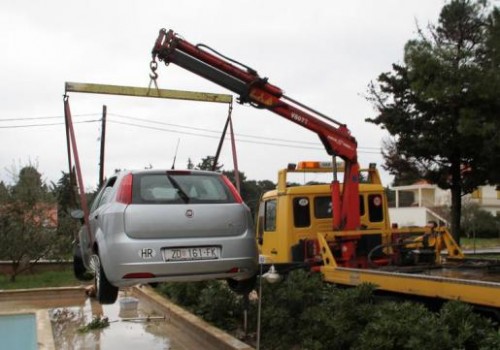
[{"x": 249, "y": 69}]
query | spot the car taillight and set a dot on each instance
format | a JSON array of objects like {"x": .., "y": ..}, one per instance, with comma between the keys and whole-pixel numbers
[
  {"x": 233, "y": 189},
  {"x": 234, "y": 270},
  {"x": 125, "y": 191}
]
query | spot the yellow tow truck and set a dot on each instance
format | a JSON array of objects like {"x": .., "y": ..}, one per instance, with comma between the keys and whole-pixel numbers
[
  {"x": 342, "y": 230},
  {"x": 294, "y": 231}
]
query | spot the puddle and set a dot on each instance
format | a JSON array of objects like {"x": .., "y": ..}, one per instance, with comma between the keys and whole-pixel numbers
[
  {"x": 467, "y": 274},
  {"x": 128, "y": 329}
]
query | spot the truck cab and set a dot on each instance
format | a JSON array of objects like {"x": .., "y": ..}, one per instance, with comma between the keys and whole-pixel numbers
[{"x": 290, "y": 217}]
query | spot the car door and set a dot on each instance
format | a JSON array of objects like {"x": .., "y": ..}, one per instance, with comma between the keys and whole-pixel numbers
[{"x": 97, "y": 213}]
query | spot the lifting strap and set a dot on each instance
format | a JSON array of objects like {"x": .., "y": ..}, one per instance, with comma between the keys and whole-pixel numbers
[
  {"x": 229, "y": 122},
  {"x": 71, "y": 144}
]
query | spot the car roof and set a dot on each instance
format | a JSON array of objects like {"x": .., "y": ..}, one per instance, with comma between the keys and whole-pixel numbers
[{"x": 170, "y": 171}]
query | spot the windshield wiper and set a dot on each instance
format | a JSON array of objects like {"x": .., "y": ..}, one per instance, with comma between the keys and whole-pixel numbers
[{"x": 180, "y": 191}]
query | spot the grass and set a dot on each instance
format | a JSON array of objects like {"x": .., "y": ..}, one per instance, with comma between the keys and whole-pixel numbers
[
  {"x": 480, "y": 243},
  {"x": 62, "y": 278}
]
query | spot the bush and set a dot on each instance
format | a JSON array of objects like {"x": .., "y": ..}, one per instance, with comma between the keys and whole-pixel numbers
[
  {"x": 466, "y": 329},
  {"x": 219, "y": 306},
  {"x": 303, "y": 312},
  {"x": 337, "y": 321},
  {"x": 185, "y": 294},
  {"x": 283, "y": 305},
  {"x": 403, "y": 325}
]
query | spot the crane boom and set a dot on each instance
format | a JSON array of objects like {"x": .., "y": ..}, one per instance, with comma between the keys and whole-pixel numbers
[{"x": 251, "y": 88}]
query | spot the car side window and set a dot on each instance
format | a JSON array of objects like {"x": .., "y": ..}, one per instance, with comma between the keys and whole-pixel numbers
[
  {"x": 106, "y": 196},
  {"x": 103, "y": 196}
]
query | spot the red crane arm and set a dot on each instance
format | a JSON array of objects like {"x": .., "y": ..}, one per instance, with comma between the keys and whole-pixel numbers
[{"x": 253, "y": 89}]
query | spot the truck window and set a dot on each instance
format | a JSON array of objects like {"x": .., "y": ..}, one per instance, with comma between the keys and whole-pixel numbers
[
  {"x": 323, "y": 207},
  {"x": 301, "y": 217},
  {"x": 270, "y": 215},
  {"x": 361, "y": 206},
  {"x": 375, "y": 208}
]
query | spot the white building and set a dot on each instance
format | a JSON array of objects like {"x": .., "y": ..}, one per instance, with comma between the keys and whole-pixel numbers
[{"x": 429, "y": 203}]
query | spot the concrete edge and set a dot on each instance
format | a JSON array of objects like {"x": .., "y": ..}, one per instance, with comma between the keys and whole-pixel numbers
[
  {"x": 45, "y": 337},
  {"x": 192, "y": 323},
  {"x": 37, "y": 293}
]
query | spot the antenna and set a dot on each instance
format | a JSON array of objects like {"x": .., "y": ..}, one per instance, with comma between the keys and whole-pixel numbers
[{"x": 175, "y": 155}]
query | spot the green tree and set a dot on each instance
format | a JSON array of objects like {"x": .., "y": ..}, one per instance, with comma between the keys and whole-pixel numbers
[
  {"x": 207, "y": 164},
  {"x": 30, "y": 187},
  {"x": 441, "y": 105},
  {"x": 4, "y": 192},
  {"x": 251, "y": 190},
  {"x": 27, "y": 233},
  {"x": 65, "y": 193},
  {"x": 477, "y": 222}
]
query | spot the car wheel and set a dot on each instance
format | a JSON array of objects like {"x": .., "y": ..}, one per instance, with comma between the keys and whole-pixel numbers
[
  {"x": 243, "y": 286},
  {"x": 105, "y": 292},
  {"x": 79, "y": 269}
]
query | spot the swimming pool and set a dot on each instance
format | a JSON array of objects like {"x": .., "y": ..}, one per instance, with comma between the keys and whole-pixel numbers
[{"x": 18, "y": 331}]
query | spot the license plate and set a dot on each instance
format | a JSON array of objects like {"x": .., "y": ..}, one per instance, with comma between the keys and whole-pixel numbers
[{"x": 192, "y": 253}]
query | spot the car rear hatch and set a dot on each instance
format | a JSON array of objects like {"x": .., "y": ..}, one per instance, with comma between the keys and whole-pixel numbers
[{"x": 184, "y": 204}]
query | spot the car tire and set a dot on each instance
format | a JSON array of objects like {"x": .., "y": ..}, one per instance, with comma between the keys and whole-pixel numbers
[
  {"x": 105, "y": 292},
  {"x": 79, "y": 269},
  {"x": 242, "y": 287}
]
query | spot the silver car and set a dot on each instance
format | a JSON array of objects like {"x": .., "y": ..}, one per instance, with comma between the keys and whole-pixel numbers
[{"x": 151, "y": 226}]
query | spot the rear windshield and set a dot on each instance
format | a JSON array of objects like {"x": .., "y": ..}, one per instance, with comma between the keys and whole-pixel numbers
[{"x": 180, "y": 188}]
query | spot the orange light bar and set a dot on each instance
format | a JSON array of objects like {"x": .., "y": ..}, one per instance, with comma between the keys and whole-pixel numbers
[
  {"x": 313, "y": 165},
  {"x": 308, "y": 165}
]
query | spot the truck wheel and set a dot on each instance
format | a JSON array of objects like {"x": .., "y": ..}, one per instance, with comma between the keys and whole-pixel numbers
[
  {"x": 79, "y": 269},
  {"x": 105, "y": 292},
  {"x": 243, "y": 286}
]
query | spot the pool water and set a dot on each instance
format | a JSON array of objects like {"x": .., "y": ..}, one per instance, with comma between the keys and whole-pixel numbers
[{"x": 18, "y": 332}]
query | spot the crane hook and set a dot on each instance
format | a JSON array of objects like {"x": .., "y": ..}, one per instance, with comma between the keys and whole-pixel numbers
[{"x": 153, "y": 65}]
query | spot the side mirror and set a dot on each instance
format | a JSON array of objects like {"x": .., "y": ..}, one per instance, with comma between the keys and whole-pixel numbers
[{"x": 77, "y": 214}]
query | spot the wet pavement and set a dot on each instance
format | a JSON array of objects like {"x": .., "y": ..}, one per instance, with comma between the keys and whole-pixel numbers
[{"x": 143, "y": 327}]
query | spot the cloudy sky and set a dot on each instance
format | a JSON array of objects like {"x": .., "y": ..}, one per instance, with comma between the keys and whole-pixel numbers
[{"x": 321, "y": 53}]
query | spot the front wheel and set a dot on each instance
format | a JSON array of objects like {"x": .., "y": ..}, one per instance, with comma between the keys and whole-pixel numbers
[
  {"x": 105, "y": 292},
  {"x": 79, "y": 269}
]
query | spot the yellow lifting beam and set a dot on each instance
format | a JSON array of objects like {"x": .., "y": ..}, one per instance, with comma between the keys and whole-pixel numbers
[{"x": 147, "y": 92}]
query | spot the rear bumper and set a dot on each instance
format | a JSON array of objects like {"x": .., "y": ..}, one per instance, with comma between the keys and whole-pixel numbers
[{"x": 122, "y": 256}]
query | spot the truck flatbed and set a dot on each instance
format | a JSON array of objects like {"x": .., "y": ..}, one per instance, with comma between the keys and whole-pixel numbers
[{"x": 478, "y": 286}]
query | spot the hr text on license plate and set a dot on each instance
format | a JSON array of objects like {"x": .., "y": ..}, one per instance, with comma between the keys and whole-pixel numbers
[{"x": 192, "y": 253}]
